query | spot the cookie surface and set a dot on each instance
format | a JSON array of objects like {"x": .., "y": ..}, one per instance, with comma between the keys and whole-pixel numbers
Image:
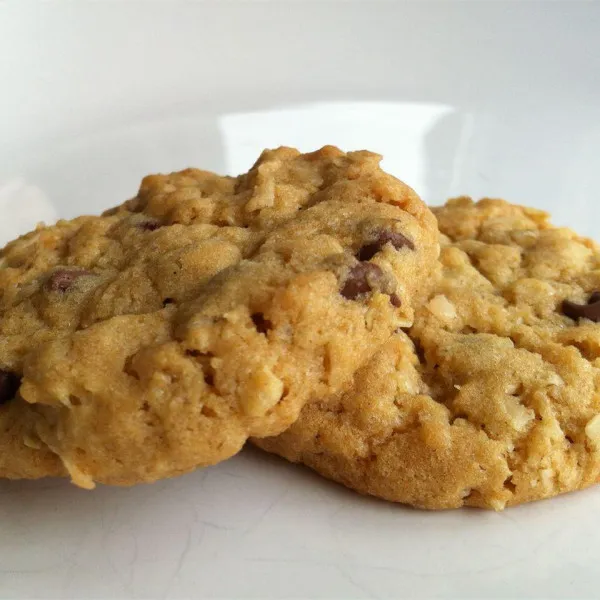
[
  {"x": 492, "y": 397},
  {"x": 156, "y": 338}
]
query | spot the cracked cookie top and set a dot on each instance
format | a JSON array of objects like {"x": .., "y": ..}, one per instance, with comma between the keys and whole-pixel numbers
[
  {"x": 157, "y": 337},
  {"x": 492, "y": 398}
]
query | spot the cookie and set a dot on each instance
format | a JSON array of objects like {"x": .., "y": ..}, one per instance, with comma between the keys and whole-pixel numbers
[
  {"x": 492, "y": 398},
  {"x": 158, "y": 337}
]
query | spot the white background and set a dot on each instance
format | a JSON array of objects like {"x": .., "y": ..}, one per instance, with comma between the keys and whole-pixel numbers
[{"x": 482, "y": 98}]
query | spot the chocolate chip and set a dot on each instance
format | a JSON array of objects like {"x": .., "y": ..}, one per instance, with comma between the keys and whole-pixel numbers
[
  {"x": 361, "y": 280},
  {"x": 168, "y": 301},
  {"x": 395, "y": 300},
  {"x": 150, "y": 225},
  {"x": 590, "y": 311},
  {"x": 62, "y": 279},
  {"x": 262, "y": 325},
  {"x": 9, "y": 384},
  {"x": 395, "y": 238}
]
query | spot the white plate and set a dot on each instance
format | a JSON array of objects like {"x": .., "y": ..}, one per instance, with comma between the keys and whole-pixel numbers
[{"x": 499, "y": 99}]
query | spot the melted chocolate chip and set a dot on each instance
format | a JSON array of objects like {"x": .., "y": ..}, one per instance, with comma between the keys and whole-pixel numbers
[
  {"x": 168, "y": 301},
  {"x": 361, "y": 280},
  {"x": 9, "y": 384},
  {"x": 594, "y": 297},
  {"x": 590, "y": 311},
  {"x": 62, "y": 279},
  {"x": 150, "y": 225},
  {"x": 395, "y": 300},
  {"x": 395, "y": 238},
  {"x": 262, "y": 325}
]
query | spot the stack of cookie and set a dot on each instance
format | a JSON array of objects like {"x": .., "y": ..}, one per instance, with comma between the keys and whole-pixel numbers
[{"x": 316, "y": 306}]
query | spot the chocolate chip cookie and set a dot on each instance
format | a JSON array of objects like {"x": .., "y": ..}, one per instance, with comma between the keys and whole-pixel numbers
[
  {"x": 156, "y": 338},
  {"x": 492, "y": 398}
]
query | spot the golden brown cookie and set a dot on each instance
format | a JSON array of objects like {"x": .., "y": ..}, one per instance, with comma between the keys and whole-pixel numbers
[
  {"x": 493, "y": 397},
  {"x": 156, "y": 338}
]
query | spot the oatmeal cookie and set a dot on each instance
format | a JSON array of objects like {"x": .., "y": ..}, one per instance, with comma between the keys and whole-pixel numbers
[
  {"x": 158, "y": 337},
  {"x": 492, "y": 398}
]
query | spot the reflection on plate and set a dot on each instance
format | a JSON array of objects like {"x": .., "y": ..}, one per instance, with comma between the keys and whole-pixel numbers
[{"x": 24, "y": 206}]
